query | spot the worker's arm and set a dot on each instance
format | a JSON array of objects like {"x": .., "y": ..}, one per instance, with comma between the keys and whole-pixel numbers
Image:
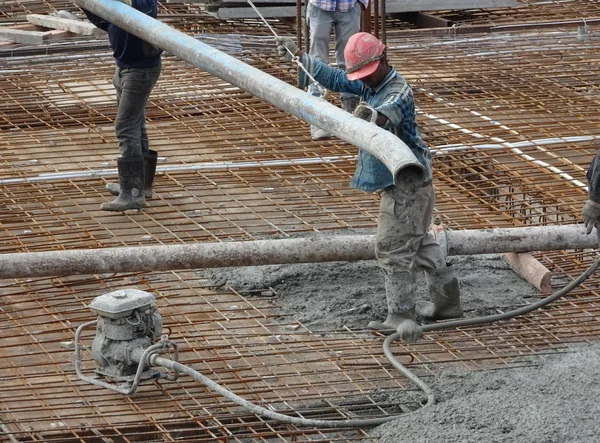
[
  {"x": 370, "y": 114},
  {"x": 396, "y": 106},
  {"x": 96, "y": 21},
  {"x": 591, "y": 210},
  {"x": 331, "y": 78}
]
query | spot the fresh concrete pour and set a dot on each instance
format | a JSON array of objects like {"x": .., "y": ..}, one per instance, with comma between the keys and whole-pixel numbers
[
  {"x": 330, "y": 296},
  {"x": 553, "y": 399}
]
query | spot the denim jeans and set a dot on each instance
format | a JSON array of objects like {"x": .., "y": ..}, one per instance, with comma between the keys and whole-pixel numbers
[{"x": 133, "y": 86}]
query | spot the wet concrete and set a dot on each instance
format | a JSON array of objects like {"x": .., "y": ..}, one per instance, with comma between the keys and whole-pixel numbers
[{"x": 550, "y": 399}]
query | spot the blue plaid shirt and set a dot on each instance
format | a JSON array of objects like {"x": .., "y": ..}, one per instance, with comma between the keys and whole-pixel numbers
[
  {"x": 392, "y": 98},
  {"x": 337, "y": 5}
]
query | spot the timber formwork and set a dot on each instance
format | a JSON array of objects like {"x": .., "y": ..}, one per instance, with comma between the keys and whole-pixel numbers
[{"x": 511, "y": 119}]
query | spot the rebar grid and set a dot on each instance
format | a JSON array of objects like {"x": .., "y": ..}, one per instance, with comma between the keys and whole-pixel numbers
[{"x": 486, "y": 103}]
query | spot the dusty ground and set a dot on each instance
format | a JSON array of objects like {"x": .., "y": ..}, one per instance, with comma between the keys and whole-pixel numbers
[{"x": 551, "y": 399}]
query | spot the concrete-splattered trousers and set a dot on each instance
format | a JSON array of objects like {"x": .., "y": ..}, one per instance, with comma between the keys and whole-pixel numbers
[
  {"x": 404, "y": 244},
  {"x": 133, "y": 86}
]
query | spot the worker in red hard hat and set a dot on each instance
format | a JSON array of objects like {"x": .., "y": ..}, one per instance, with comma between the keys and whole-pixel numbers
[{"x": 404, "y": 243}]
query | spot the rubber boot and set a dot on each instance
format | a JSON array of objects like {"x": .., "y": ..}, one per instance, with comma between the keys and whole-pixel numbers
[
  {"x": 400, "y": 289},
  {"x": 131, "y": 181},
  {"x": 150, "y": 159},
  {"x": 349, "y": 104},
  {"x": 444, "y": 293}
]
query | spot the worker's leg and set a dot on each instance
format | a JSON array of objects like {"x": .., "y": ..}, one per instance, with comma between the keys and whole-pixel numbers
[
  {"x": 134, "y": 86},
  {"x": 319, "y": 23},
  {"x": 399, "y": 234},
  {"x": 346, "y": 24},
  {"x": 441, "y": 279}
]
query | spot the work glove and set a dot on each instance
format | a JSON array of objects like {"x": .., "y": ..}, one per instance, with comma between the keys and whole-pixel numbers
[
  {"x": 365, "y": 112},
  {"x": 591, "y": 215},
  {"x": 409, "y": 331},
  {"x": 286, "y": 48}
]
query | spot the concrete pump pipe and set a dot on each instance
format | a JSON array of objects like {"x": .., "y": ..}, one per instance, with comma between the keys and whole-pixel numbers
[
  {"x": 312, "y": 249},
  {"x": 388, "y": 148}
]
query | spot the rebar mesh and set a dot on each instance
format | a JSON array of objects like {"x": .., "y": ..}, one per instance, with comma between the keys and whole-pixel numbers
[{"x": 511, "y": 117}]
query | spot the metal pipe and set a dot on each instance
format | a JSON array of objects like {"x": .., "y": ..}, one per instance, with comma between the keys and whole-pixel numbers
[
  {"x": 312, "y": 249},
  {"x": 500, "y": 240},
  {"x": 396, "y": 156}
]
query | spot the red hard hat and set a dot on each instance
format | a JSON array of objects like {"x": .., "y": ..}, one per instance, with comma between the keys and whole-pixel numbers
[{"x": 363, "y": 53}]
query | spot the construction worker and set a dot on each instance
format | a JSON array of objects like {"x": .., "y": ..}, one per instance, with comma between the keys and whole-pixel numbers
[
  {"x": 404, "y": 243},
  {"x": 344, "y": 17},
  {"x": 591, "y": 209},
  {"x": 138, "y": 66}
]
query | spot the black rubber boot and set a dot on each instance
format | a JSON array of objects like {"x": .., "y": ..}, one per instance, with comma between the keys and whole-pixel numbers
[
  {"x": 131, "y": 185},
  {"x": 150, "y": 159},
  {"x": 444, "y": 293}
]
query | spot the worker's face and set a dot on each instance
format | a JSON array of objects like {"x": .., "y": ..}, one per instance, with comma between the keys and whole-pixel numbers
[{"x": 378, "y": 76}]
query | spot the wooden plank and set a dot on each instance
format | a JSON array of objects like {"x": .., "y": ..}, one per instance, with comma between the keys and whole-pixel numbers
[
  {"x": 65, "y": 24},
  {"x": 22, "y": 36},
  {"x": 531, "y": 270}
]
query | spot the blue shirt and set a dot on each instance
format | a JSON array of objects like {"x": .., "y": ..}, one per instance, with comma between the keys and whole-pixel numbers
[
  {"x": 393, "y": 98},
  {"x": 130, "y": 51}
]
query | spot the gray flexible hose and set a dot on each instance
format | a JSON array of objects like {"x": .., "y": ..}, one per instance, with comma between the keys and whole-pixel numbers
[
  {"x": 155, "y": 360},
  {"x": 487, "y": 319}
]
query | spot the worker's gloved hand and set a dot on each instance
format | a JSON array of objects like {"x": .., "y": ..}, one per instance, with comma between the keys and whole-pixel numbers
[
  {"x": 127, "y": 2},
  {"x": 409, "y": 331},
  {"x": 366, "y": 112},
  {"x": 591, "y": 215},
  {"x": 286, "y": 48}
]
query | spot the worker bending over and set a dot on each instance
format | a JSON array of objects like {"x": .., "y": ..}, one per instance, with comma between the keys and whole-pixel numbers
[
  {"x": 138, "y": 68},
  {"x": 404, "y": 243}
]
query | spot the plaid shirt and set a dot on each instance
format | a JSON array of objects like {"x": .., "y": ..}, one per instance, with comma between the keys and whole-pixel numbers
[
  {"x": 337, "y": 5},
  {"x": 392, "y": 98}
]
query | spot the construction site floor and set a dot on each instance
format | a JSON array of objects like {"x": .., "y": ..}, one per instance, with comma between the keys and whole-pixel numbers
[{"x": 511, "y": 116}]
